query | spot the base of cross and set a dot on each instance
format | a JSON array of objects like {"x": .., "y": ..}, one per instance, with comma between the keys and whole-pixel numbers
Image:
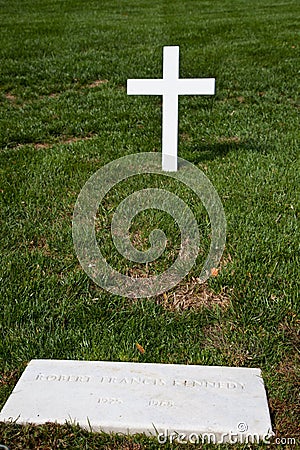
[{"x": 169, "y": 163}]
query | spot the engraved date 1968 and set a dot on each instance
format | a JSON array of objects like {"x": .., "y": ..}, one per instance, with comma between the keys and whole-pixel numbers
[
  {"x": 166, "y": 403},
  {"x": 110, "y": 400}
]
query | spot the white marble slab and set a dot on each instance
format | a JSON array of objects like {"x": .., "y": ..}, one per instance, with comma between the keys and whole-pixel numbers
[{"x": 136, "y": 398}]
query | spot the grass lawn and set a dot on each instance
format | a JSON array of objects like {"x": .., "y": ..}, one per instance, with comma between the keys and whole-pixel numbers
[{"x": 64, "y": 113}]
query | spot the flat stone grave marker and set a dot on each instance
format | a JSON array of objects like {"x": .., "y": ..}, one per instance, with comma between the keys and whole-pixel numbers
[{"x": 142, "y": 398}]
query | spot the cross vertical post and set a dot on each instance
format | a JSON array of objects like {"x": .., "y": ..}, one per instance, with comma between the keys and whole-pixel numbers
[
  {"x": 170, "y": 109},
  {"x": 170, "y": 87}
]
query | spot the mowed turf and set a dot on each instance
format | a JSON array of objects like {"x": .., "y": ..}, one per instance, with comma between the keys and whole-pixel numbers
[{"x": 64, "y": 113}]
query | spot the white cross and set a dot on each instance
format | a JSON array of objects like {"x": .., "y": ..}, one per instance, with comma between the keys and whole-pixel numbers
[{"x": 170, "y": 87}]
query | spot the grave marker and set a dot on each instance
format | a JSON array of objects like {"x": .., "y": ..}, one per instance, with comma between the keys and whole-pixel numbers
[
  {"x": 170, "y": 86},
  {"x": 142, "y": 398}
]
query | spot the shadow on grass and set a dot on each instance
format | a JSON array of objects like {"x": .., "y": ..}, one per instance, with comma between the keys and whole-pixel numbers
[{"x": 203, "y": 152}]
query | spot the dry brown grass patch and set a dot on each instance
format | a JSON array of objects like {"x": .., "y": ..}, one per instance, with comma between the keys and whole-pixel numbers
[
  {"x": 136, "y": 272},
  {"x": 129, "y": 446},
  {"x": 10, "y": 97},
  {"x": 54, "y": 95},
  {"x": 193, "y": 295},
  {"x": 285, "y": 418},
  {"x": 9, "y": 377},
  {"x": 229, "y": 140},
  {"x": 97, "y": 83},
  {"x": 65, "y": 140},
  {"x": 41, "y": 145},
  {"x": 185, "y": 137},
  {"x": 241, "y": 99},
  {"x": 41, "y": 245},
  {"x": 289, "y": 370}
]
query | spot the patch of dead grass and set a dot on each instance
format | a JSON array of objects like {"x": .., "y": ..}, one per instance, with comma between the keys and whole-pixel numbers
[
  {"x": 8, "y": 378},
  {"x": 54, "y": 95},
  {"x": 42, "y": 145},
  {"x": 241, "y": 99},
  {"x": 65, "y": 140},
  {"x": 129, "y": 446},
  {"x": 289, "y": 370},
  {"x": 41, "y": 245},
  {"x": 138, "y": 241},
  {"x": 193, "y": 295},
  {"x": 285, "y": 418},
  {"x": 96, "y": 83},
  {"x": 229, "y": 140},
  {"x": 71, "y": 140},
  {"x": 185, "y": 137},
  {"x": 92, "y": 85},
  {"x": 10, "y": 97},
  {"x": 136, "y": 272}
]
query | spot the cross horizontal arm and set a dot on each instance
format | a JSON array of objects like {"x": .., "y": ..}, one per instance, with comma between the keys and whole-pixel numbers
[
  {"x": 146, "y": 87},
  {"x": 195, "y": 86},
  {"x": 185, "y": 86}
]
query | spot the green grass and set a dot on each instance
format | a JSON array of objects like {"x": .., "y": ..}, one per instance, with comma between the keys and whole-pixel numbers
[{"x": 245, "y": 139}]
